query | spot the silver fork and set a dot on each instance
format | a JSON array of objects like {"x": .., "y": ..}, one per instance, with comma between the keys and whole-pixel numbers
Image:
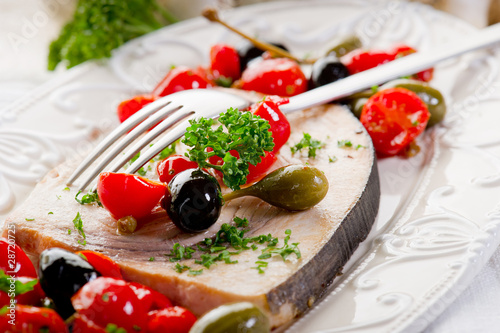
[{"x": 177, "y": 109}]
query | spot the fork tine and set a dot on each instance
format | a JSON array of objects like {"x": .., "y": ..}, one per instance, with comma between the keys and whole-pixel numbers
[
  {"x": 172, "y": 135},
  {"x": 128, "y": 139},
  {"x": 116, "y": 133}
]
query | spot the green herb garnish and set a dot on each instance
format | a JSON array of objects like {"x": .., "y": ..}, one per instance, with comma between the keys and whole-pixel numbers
[
  {"x": 242, "y": 132},
  {"x": 180, "y": 268},
  {"x": 99, "y": 26},
  {"x": 112, "y": 328},
  {"x": 19, "y": 287},
  {"x": 78, "y": 223},
  {"x": 195, "y": 272},
  {"x": 217, "y": 250},
  {"x": 29, "y": 219},
  {"x": 332, "y": 159},
  {"x": 310, "y": 143},
  {"x": 344, "y": 144},
  {"x": 88, "y": 198},
  {"x": 224, "y": 81},
  {"x": 151, "y": 259},
  {"x": 180, "y": 252}
]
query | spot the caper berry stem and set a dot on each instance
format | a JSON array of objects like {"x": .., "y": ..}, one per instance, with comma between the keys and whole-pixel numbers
[{"x": 212, "y": 15}]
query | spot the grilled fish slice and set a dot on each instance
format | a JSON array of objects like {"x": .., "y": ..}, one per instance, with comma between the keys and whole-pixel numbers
[{"x": 328, "y": 233}]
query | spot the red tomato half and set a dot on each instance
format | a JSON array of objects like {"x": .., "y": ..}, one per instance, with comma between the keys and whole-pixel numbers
[
  {"x": 394, "y": 118},
  {"x": 280, "y": 76},
  {"x": 181, "y": 78},
  {"x": 101, "y": 263},
  {"x": 106, "y": 301},
  {"x": 171, "y": 320},
  {"x": 225, "y": 62},
  {"x": 14, "y": 261},
  {"x": 131, "y": 106},
  {"x": 150, "y": 299},
  {"x": 359, "y": 61},
  {"x": 128, "y": 195},
  {"x": 172, "y": 165},
  {"x": 269, "y": 110},
  {"x": 30, "y": 319}
]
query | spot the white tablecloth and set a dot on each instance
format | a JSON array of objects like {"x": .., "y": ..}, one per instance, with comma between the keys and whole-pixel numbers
[{"x": 27, "y": 27}]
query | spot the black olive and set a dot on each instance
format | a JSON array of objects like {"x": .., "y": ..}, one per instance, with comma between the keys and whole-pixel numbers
[
  {"x": 195, "y": 200},
  {"x": 327, "y": 70},
  {"x": 62, "y": 274},
  {"x": 247, "y": 52}
]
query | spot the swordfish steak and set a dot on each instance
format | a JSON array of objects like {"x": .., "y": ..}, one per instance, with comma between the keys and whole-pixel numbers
[{"x": 328, "y": 233}]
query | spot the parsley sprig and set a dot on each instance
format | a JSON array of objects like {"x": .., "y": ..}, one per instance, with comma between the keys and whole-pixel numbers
[
  {"x": 308, "y": 142},
  {"x": 88, "y": 198},
  {"x": 243, "y": 132},
  {"x": 78, "y": 223}
]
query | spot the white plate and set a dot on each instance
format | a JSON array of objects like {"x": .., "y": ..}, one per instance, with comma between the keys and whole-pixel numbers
[{"x": 438, "y": 214}]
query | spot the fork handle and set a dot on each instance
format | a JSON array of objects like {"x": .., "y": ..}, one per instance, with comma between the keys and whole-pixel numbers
[{"x": 404, "y": 66}]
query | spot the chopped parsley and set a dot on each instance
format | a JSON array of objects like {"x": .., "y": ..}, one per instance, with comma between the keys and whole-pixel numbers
[
  {"x": 112, "y": 328},
  {"x": 224, "y": 81},
  {"x": 78, "y": 223},
  {"x": 243, "y": 132},
  {"x": 374, "y": 89},
  {"x": 260, "y": 265},
  {"x": 180, "y": 252},
  {"x": 180, "y": 268},
  {"x": 415, "y": 123},
  {"x": 66, "y": 189},
  {"x": 19, "y": 287},
  {"x": 29, "y": 219},
  {"x": 308, "y": 142},
  {"x": 218, "y": 250},
  {"x": 50, "y": 213},
  {"x": 195, "y": 272},
  {"x": 88, "y": 198},
  {"x": 332, "y": 159},
  {"x": 240, "y": 222},
  {"x": 344, "y": 143},
  {"x": 151, "y": 259},
  {"x": 360, "y": 146}
]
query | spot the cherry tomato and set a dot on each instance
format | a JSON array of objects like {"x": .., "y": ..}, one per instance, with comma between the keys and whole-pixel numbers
[
  {"x": 394, "y": 118},
  {"x": 14, "y": 261},
  {"x": 224, "y": 62},
  {"x": 32, "y": 297},
  {"x": 278, "y": 76},
  {"x": 172, "y": 165},
  {"x": 269, "y": 110},
  {"x": 359, "y": 61},
  {"x": 108, "y": 300},
  {"x": 256, "y": 172},
  {"x": 128, "y": 195},
  {"x": 151, "y": 299},
  {"x": 30, "y": 319},
  {"x": 131, "y": 106},
  {"x": 101, "y": 263},
  {"x": 171, "y": 320},
  {"x": 181, "y": 78},
  {"x": 404, "y": 50}
]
